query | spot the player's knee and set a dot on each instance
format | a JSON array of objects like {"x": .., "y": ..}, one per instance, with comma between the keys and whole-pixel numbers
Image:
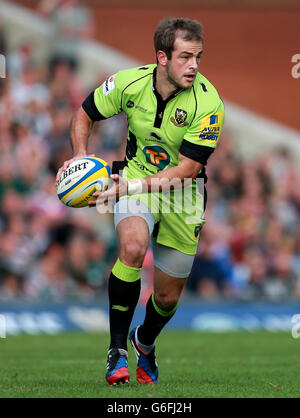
[
  {"x": 166, "y": 301},
  {"x": 133, "y": 252}
]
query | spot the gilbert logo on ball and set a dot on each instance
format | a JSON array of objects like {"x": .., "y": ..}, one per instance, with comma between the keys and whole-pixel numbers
[{"x": 81, "y": 180}]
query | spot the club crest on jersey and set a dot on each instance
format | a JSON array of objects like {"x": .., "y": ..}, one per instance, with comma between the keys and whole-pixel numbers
[{"x": 180, "y": 118}]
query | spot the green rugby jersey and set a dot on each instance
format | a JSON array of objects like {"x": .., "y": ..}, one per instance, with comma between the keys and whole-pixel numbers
[{"x": 189, "y": 121}]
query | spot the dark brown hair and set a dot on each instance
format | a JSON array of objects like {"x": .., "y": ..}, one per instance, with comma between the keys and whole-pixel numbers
[{"x": 169, "y": 28}]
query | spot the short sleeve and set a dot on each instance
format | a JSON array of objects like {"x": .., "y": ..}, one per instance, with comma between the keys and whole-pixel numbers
[{"x": 107, "y": 97}]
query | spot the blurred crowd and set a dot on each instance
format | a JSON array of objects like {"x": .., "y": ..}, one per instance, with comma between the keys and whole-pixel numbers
[
  {"x": 249, "y": 248},
  {"x": 49, "y": 252}
]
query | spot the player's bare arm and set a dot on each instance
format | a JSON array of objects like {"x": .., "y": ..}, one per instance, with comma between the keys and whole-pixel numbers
[{"x": 81, "y": 126}]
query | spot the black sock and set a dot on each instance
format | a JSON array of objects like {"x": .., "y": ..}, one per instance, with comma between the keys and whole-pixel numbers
[
  {"x": 155, "y": 320},
  {"x": 123, "y": 297}
]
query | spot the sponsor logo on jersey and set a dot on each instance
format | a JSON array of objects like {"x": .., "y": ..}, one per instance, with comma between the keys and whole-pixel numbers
[
  {"x": 197, "y": 230},
  {"x": 142, "y": 109},
  {"x": 180, "y": 118},
  {"x": 157, "y": 156},
  {"x": 130, "y": 104},
  {"x": 152, "y": 136},
  {"x": 108, "y": 85},
  {"x": 213, "y": 119},
  {"x": 211, "y": 127},
  {"x": 142, "y": 167}
]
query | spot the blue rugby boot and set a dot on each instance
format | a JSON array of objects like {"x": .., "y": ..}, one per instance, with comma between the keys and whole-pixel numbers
[
  {"x": 147, "y": 368},
  {"x": 117, "y": 367}
]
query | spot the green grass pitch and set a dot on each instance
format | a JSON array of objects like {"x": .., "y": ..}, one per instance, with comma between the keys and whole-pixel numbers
[{"x": 191, "y": 365}]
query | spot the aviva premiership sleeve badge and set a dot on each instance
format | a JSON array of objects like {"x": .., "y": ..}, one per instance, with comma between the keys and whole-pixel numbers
[{"x": 210, "y": 129}]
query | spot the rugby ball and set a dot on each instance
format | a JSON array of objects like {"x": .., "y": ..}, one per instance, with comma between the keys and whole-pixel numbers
[{"x": 81, "y": 179}]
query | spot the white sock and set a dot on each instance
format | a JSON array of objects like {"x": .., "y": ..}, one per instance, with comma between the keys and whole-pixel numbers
[{"x": 146, "y": 348}]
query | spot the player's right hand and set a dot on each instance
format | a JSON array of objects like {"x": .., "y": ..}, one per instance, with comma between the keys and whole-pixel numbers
[{"x": 67, "y": 163}]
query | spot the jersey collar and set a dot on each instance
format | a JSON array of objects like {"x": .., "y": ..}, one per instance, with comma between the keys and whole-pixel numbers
[{"x": 158, "y": 96}]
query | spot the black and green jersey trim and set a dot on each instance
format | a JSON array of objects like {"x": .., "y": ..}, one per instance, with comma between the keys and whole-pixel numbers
[
  {"x": 90, "y": 108},
  {"x": 196, "y": 152},
  {"x": 161, "y": 104},
  {"x": 128, "y": 85},
  {"x": 196, "y": 104},
  {"x": 131, "y": 147}
]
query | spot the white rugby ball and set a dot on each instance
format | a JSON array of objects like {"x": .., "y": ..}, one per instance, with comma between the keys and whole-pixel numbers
[{"x": 81, "y": 179}]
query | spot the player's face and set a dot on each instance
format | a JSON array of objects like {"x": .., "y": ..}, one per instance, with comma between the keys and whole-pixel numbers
[{"x": 183, "y": 66}]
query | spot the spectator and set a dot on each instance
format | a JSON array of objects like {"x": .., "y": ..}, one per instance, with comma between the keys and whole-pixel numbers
[
  {"x": 48, "y": 279},
  {"x": 207, "y": 277},
  {"x": 73, "y": 22},
  {"x": 10, "y": 287}
]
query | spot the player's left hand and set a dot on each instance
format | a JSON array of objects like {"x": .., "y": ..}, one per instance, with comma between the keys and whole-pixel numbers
[{"x": 118, "y": 189}]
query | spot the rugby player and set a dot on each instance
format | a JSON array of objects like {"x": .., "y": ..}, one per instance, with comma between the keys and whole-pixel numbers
[{"x": 175, "y": 117}]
